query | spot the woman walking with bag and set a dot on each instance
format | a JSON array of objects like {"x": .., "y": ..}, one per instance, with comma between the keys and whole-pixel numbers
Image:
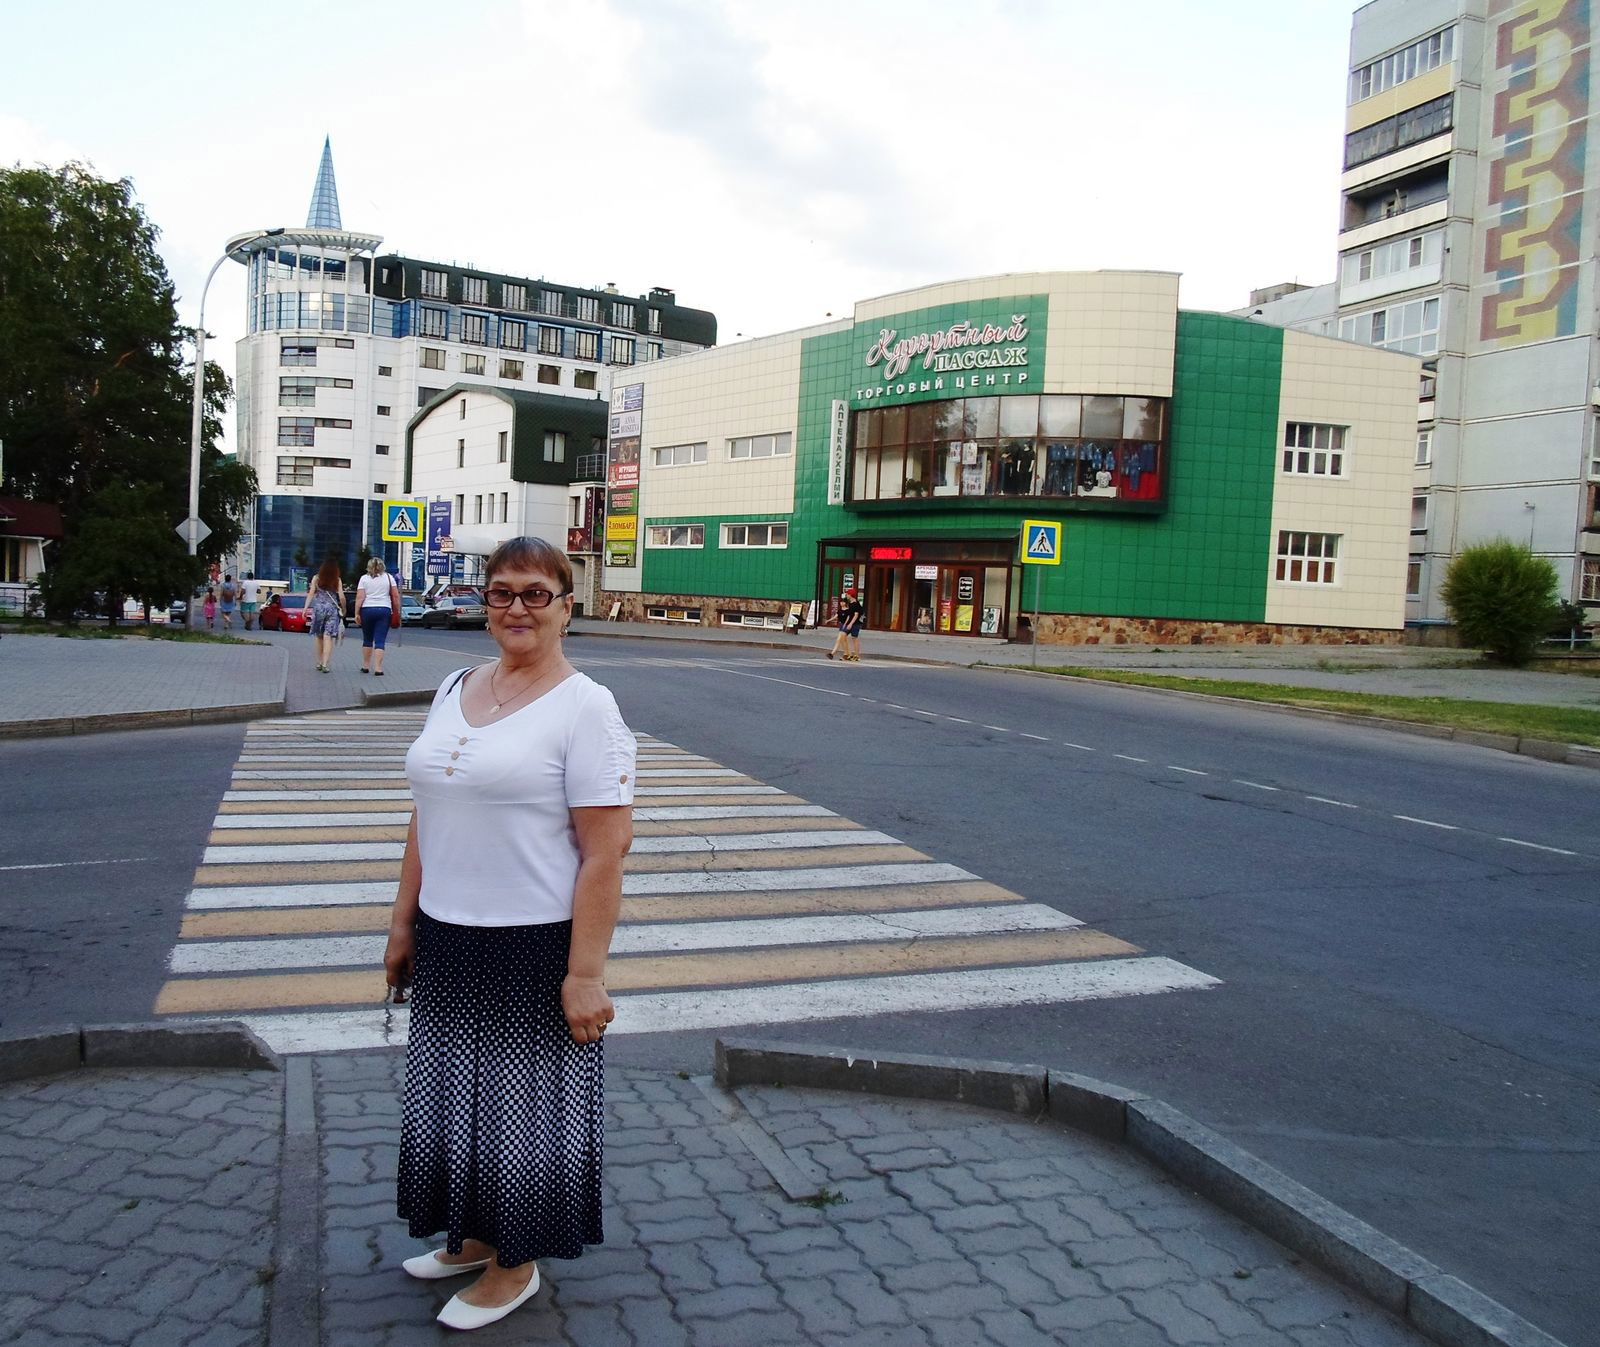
[
  {"x": 378, "y": 605},
  {"x": 509, "y": 893},
  {"x": 325, "y": 599}
]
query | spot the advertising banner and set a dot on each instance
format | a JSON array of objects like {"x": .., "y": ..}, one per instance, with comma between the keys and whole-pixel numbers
[
  {"x": 622, "y": 476},
  {"x": 439, "y": 541},
  {"x": 838, "y": 438}
]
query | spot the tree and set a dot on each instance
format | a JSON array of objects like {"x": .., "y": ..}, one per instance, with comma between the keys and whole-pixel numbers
[
  {"x": 124, "y": 548},
  {"x": 1502, "y": 598},
  {"x": 94, "y": 389}
]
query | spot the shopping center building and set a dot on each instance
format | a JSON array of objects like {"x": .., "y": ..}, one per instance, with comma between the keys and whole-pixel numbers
[{"x": 1215, "y": 479}]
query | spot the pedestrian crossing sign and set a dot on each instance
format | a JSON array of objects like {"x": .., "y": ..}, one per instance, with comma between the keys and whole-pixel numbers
[
  {"x": 403, "y": 521},
  {"x": 1041, "y": 542}
]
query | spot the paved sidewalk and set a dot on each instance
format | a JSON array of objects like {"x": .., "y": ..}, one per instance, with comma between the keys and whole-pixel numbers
[{"x": 140, "y": 1211}]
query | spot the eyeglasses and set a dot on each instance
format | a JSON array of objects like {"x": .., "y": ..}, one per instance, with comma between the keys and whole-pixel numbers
[{"x": 531, "y": 598}]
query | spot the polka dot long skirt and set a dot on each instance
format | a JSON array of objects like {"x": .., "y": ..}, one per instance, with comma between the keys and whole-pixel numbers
[{"x": 502, "y": 1128}]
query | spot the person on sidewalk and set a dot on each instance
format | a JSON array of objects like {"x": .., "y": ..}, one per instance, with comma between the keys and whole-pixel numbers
[
  {"x": 325, "y": 600},
  {"x": 249, "y": 600},
  {"x": 851, "y": 612},
  {"x": 228, "y": 602},
  {"x": 509, "y": 892},
  {"x": 209, "y": 608},
  {"x": 378, "y": 606}
]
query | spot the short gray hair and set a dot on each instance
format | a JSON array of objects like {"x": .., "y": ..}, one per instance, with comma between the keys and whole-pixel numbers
[{"x": 375, "y": 567}]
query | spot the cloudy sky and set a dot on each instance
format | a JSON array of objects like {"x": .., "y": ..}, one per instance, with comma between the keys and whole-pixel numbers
[{"x": 771, "y": 160}]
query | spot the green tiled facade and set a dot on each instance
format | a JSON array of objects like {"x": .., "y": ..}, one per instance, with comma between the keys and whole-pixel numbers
[{"x": 1203, "y": 555}]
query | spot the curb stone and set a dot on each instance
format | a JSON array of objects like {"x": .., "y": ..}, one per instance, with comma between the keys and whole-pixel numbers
[
  {"x": 224, "y": 1045},
  {"x": 1548, "y": 750},
  {"x": 137, "y": 720},
  {"x": 1440, "y": 1306}
]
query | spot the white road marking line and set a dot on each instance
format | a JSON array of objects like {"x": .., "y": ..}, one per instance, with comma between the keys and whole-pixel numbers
[
  {"x": 894, "y": 706},
  {"x": 918, "y": 711},
  {"x": 289, "y": 853},
  {"x": 765, "y": 881},
  {"x": 236, "y": 896},
  {"x": 1254, "y": 785},
  {"x": 655, "y": 1012},
  {"x": 282, "y": 795},
  {"x": 356, "y": 951},
  {"x": 1066, "y": 743},
  {"x": 1537, "y": 846},
  {"x": 767, "y": 678},
  {"x": 958, "y": 720},
  {"x": 998, "y": 729},
  {"x": 1128, "y": 757},
  {"x": 309, "y": 820},
  {"x": 689, "y": 813},
  {"x": 707, "y": 790},
  {"x": 1323, "y": 799},
  {"x": 314, "y": 774},
  {"x": 385, "y": 759},
  {"x": 1426, "y": 822},
  {"x": 1188, "y": 771},
  {"x": 832, "y": 837},
  {"x": 66, "y": 865},
  {"x": 1041, "y": 738},
  {"x": 687, "y": 771}
]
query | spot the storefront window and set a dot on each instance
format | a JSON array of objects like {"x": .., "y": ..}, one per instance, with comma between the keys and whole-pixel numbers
[{"x": 1089, "y": 447}]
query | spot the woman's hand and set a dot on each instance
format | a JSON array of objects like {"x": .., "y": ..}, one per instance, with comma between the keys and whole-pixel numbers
[
  {"x": 587, "y": 1006},
  {"x": 398, "y": 958}
]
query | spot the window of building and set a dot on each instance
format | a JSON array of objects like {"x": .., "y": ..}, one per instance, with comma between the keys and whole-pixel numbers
[
  {"x": 1419, "y": 513},
  {"x": 622, "y": 315},
  {"x": 1411, "y": 127},
  {"x": 675, "y": 535},
  {"x": 755, "y": 535},
  {"x": 384, "y": 409},
  {"x": 300, "y": 390},
  {"x": 1424, "y": 448},
  {"x": 555, "y": 446},
  {"x": 1591, "y": 508},
  {"x": 1419, "y": 58},
  {"x": 463, "y": 410},
  {"x": 586, "y": 345},
  {"x": 297, "y": 353},
  {"x": 677, "y": 455},
  {"x": 380, "y": 488},
  {"x": 655, "y": 320},
  {"x": 583, "y": 378},
  {"x": 477, "y": 509},
  {"x": 1393, "y": 258},
  {"x": 433, "y": 357},
  {"x": 461, "y": 509},
  {"x": 385, "y": 371},
  {"x": 474, "y": 290},
  {"x": 1589, "y": 581},
  {"x": 300, "y": 430},
  {"x": 1313, "y": 450},
  {"x": 426, "y": 395},
  {"x": 461, "y": 453},
  {"x": 505, "y": 499},
  {"x": 433, "y": 322},
  {"x": 587, "y": 308},
  {"x": 759, "y": 446},
  {"x": 513, "y": 335},
  {"x": 504, "y": 435},
  {"x": 380, "y": 448},
  {"x": 622, "y": 350},
  {"x": 654, "y": 351},
  {"x": 1307, "y": 558},
  {"x": 434, "y": 283},
  {"x": 1414, "y": 578},
  {"x": 657, "y": 613},
  {"x": 511, "y": 369},
  {"x": 297, "y": 471},
  {"x": 11, "y": 562},
  {"x": 474, "y": 328},
  {"x": 471, "y": 363},
  {"x": 550, "y": 301},
  {"x": 513, "y": 296},
  {"x": 1412, "y": 327},
  {"x": 549, "y": 374},
  {"x": 549, "y": 341}
]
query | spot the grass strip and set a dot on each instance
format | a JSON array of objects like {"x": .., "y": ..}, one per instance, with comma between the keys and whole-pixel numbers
[{"x": 1566, "y": 724}]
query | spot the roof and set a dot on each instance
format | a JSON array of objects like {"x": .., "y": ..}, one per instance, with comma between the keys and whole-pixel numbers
[
  {"x": 28, "y": 518},
  {"x": 324, "y": 212}
]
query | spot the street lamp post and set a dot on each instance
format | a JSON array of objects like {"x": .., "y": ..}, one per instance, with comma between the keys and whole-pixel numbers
[{"x": 191, "y": 525}]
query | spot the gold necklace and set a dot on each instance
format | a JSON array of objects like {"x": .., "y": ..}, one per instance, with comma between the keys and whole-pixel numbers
[{"x": 495, "y": 692}]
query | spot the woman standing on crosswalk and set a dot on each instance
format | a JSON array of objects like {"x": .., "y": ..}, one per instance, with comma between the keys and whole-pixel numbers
[{"x": 509, "y": 893}]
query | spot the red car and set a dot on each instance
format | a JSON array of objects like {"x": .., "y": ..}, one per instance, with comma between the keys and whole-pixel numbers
[{"x": 285, "y": 612}]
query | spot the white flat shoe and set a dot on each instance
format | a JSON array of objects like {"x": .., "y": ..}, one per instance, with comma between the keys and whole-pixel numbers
[
  {"x": 458, "y": 1314},
  {"x": 428, "y": 1267}
]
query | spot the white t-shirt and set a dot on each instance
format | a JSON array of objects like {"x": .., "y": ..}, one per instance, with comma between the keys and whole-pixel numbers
[
  {"x": 493, "y": 829},
  {"x": 373, "y": 591},
  {"x": 250, "y": 592}
]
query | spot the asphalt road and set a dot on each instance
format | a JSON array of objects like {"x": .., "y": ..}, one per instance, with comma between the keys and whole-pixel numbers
[{"x": 1404, "y": 928}]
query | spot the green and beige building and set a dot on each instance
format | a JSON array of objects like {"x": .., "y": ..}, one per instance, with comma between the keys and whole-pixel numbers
[{"x": 1214, "y": 479}]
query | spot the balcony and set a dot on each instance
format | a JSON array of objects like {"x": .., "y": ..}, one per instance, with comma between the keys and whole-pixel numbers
[{"x": 589, "y": 468}]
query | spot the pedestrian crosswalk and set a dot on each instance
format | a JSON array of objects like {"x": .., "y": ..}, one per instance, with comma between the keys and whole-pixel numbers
[{"x": 743, "y": 904}]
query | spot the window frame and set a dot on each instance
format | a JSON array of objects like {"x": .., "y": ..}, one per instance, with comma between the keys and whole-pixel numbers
[
  {"x": 692, "y": 533},
  {"x": 772, "y": 444},
  {"x": 1301, "y": 455},
  {"x": 434, "y": 284},
  {"x": 745, "y": 542},
  {"x": 698, "y": 454},
  {"x": 1305, "y": 568}
]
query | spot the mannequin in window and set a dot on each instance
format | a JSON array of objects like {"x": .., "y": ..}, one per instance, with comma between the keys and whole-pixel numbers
[{"x": 1016, "y": 469}]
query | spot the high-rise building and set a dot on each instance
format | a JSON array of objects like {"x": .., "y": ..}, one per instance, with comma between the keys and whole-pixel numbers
[
  {"x": 1470, "y": 204},
  {"x": 344, "y": 345}
]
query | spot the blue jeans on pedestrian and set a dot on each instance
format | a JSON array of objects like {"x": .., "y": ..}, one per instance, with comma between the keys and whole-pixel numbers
[{"x": 375, "y": 626}]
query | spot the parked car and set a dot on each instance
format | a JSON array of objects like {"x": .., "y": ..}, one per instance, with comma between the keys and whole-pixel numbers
[
  {"x": 457, "y": 610},
  {"x": 284, "y": 612},
  {"x": 412, "y": 610},
  {"x": 178, "y": 613}
]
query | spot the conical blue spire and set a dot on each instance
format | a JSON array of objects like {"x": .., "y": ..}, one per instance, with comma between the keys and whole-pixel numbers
[{"x": 324, "y": 212}]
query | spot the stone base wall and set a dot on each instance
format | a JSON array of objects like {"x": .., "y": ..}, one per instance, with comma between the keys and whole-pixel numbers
[
  {"x": 1081, "y": 629},
  {"x": 634, "y": 606}
]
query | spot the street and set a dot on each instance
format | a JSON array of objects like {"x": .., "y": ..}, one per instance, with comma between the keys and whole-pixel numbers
[{"x": 1367, "y": 957}]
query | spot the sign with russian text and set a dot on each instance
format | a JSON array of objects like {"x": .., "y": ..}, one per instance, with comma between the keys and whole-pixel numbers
[
  {"x": 995, "y": 347},
  {"x": 439, "y": 541},
  {"x": 838, "y": 442}
]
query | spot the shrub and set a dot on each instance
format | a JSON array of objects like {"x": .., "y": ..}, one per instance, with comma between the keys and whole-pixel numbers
[{"x": 1502, "y": 598}]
